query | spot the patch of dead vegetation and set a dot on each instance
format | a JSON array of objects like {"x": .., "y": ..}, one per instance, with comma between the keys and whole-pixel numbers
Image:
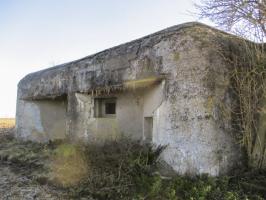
[
  {"x": 24, "y": 168},
  {"x": 68, "y": 165},
  {"x": 7, "y": 126}
]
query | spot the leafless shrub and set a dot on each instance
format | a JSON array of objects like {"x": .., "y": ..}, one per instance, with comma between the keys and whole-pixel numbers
[
  {"x": 246, "y": 18},
  {"x": 247, "y": 63}
]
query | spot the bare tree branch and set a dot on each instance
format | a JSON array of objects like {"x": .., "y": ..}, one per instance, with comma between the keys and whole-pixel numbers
[{"x": 245, "y": 17}]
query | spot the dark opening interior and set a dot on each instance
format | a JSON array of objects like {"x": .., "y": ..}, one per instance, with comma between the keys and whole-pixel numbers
[
  {"x": 110, "y": 108},
  {"x": 105, "y": 107},
  {"x": 148, "y": 128}
]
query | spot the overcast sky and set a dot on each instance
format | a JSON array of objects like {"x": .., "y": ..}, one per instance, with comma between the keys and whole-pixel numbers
[{"x": 37, "y": 34}]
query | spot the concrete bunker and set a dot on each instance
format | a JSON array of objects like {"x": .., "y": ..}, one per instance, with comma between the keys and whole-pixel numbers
[{"x": 165, "y": 88}]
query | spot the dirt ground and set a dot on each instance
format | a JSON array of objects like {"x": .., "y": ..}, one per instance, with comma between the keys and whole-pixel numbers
[
  {"x": 19, "y": 175},
  {"x": 16, "y": 185}
]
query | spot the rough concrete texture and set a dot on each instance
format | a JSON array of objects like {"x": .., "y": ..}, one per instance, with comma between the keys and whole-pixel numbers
[
  {"x": 42, "y": 120},
  {"x": 173, "y": 82}
]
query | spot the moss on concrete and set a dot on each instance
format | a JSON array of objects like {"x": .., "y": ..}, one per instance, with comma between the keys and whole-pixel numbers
[{"x": 176, "y": 56}]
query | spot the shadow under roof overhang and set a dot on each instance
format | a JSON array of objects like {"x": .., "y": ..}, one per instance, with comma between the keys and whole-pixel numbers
[{"x": 128, "y": 85}]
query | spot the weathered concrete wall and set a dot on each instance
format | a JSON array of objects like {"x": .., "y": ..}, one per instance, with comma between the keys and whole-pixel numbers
[
  {"x": 131, "y": 107},
  {"x": 188, "y": 108},
  {"x": 84, "y": 125},
  {"x": 191, "y": 120},
  {"x": 130, "y": 114},
  {"x": 41, "y": 121}
]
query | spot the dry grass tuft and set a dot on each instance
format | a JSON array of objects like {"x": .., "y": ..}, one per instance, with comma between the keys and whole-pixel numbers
[
  {"x": 69, "y": 165},
  {"x": 7, "y": 125}
]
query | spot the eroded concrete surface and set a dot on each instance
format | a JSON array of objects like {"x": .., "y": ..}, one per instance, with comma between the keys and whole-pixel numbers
[{"x": 176, "y": 77}]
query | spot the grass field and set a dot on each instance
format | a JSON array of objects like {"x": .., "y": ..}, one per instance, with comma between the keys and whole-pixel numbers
[{"x": 6, "y": 124}]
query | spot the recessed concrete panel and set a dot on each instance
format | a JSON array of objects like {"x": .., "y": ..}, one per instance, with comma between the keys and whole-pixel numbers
[{"x": 42, "y": 121}]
